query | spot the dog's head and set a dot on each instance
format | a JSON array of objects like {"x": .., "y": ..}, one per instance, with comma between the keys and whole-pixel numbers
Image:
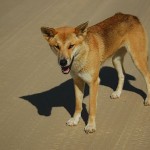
[{"x": 65, "y": 42}]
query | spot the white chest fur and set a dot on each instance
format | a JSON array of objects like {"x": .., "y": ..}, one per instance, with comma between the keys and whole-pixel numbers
[{"x": 85, "y": 76}]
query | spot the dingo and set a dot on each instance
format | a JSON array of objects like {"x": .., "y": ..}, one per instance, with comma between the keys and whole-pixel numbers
[{"x": 82, "y": 50}]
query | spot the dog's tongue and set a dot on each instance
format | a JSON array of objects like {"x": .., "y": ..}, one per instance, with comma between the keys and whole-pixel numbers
[{"x": 65, "y": 70}]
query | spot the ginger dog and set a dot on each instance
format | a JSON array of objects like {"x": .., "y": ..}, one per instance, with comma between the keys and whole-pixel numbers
[{"x": 82, "y": 50}]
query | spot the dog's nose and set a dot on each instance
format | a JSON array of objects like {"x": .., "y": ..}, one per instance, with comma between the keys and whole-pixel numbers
[{"x": 63, "y": 62}]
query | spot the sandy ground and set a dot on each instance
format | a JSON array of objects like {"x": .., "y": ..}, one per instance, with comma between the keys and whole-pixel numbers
[{"x": 36, "y": 100}]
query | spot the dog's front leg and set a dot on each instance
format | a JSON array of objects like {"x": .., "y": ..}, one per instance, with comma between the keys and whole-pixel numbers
[
  {"x": 79, "y": 92},
  {"x": 91, "y": 126}
]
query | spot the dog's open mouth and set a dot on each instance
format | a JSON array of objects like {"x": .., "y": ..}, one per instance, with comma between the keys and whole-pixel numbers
[{"x": 67, "y": 69}]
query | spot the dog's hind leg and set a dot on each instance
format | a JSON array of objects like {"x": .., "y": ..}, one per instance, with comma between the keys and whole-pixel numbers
[
  {"x": 137, "y": 47},
  {"x": 118, "y": 64}
]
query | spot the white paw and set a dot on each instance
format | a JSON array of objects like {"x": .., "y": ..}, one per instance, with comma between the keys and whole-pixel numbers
[
  {"x": 147, "y": 102},
  {"x": 115, "y": 94},
  {"x": 90, "y": 128},
  {"x": 72, "y": 121}
]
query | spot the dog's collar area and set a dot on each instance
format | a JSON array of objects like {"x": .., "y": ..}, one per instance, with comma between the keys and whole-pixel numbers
[{"x": 66, "y": 69}]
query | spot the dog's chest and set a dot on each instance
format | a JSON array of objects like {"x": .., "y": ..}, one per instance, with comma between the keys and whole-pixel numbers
[
  {"x": 85, "y": 76},
  {"x": 79, "y": 70}
]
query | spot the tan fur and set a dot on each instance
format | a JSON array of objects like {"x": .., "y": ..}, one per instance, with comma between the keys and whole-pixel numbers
[{"x": 85, "y": 49}]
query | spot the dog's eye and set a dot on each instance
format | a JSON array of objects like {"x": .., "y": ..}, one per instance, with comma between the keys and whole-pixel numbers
[
  {"x": 71, "y": 46},
  {"x": 57, "y": 46}
]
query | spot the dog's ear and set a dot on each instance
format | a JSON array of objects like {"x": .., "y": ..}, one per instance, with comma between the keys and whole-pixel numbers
[
  {"x": 48, "y": 32},
  {"x": 81, "y": 29}
]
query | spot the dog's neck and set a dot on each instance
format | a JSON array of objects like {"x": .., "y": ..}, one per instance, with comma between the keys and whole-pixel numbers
[{"x": 79, "y": 63}]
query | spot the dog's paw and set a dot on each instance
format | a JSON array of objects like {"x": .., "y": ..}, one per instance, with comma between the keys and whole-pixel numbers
[
  {"x": 72, "y": 122},
  {"x": 115, "y": 94},
  {"x": 90, "y": 128},
  {"x": 147, "y": 102}
]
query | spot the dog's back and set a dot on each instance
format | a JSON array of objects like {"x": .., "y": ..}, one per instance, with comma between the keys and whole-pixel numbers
[{"x": 113, "y": 31}]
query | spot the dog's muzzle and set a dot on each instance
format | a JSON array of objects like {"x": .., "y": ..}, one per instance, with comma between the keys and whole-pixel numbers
[{"x": 63, "y": 63}]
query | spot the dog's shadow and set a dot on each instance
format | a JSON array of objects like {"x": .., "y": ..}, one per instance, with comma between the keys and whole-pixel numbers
[{"x": 63, "y": 95}]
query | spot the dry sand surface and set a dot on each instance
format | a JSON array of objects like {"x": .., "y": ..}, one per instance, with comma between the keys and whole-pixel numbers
[{"x": 36, "y": 99}]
